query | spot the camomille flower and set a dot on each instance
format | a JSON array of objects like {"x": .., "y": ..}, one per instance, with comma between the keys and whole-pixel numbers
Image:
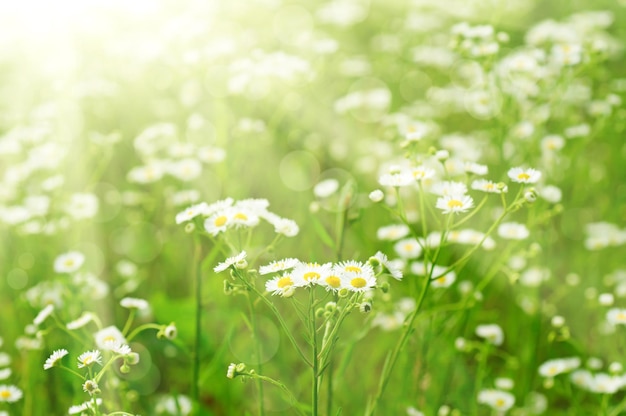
[
  {"x": 521, "y": 175},
  {"x": 455, "y": 203},
  {"x": 54, "y": 358}
]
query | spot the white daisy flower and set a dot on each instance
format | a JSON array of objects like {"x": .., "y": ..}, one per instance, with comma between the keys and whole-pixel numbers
[
  {"x": 553, "y": 368},
  {"x": 492, "y": 333},
  {"x": 392, "y": 232},
  {"x": 89, "y": 357},
  {"x": 54, "y": 359},
  {"x": 496, "y": 399},
  {"x": 279, "y": 265},
  {"x": 231, "y": 261},
  {"x": 243, "y": 217},
  {"x": 332, "y": 281},
  {"x": 192, "y": 212},
  {"x": 475, "y": 168},
  {"x": 306, "y": 274},
  {"x": 422, "y": 173},
  {"x": 326, "y": 188},
  {"x": 358, "y": 282},
  {"x": 455, "y": 203},
  {"x": 280, "y": 285},
  {"x": 81, "y": 321},
  {"x": 408, "y": 248},
  {"x": 185, "y": 169},
  {"x": 616, "y": 316},
  {"x": 485, "y": 185},
  {"x": 513, "y": 231},
  {"x": 217, "y": 223},
  {"x": 285, "y": 226},
  {"x": 4, "y": 374},
  {"x": 448, "y": 188},
  {"x": 10, "y": 393},
  {"x": 107, "y": 337},
  {"x": 43, "y": 315},
  {"x": 522, "y": 175},
  {"x": 396, "y": 178},
  {"x": 134, "y": 303},
  {"x": 69, "y": 262}
]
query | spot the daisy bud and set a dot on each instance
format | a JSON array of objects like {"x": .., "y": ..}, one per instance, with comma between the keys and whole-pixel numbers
[
  {"x": 557, "y": 321},
  {"x": 374, "y": 261},
  {"x": 241, "y": 367},
  {"x": 384, "y": 287},
  {"x": 170, "y": 331},
  {"x": 365, "y": 307},
  {"x": 314, "y": 207},
  {"x": 343, "y": 293},
  {"x": 442, "y": 154},
  {"x": 125, "y": 369},
  {"x": 530, "y": 196},
  {"x": 320, "y": 312},
  {"x": 616, "y": 368},
  {"x": 230, "y": 373},
  {"x": 548, "y": 383},
  {"x": 287, "y": 293},
  {"x": 132, "y": 358},
  {"x": 606, "y": 299},
  {"x": 241, "y": 264},
  {"x": 443, "y": 410},
  {"x": 331, "y": 307},
  {"x": 502, "y": 187},
  {"x": 190, "y": 227},
  {"x": 376, "y": 195},
  {"x": 91, "y": 387}
]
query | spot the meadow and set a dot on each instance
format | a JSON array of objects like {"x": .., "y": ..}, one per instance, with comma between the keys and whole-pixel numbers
[{"x": 347, "y": 207}]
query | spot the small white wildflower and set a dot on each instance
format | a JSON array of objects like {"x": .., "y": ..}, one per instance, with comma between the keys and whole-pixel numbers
[
  {"x": 231, "y": 261},
  {"x": 54, "y": 358},
  {"x": 69, "y": 262}
]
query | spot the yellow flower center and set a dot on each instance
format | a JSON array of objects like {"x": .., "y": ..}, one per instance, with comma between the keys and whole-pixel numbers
[
  {"x": 333, "y": 281},
  {"x": 5, "y": 394},
  {"x": 552, "y": 371},
  {"x": 354, "y": 269},
  {"x": 408, "y": 247},
  {"x": 220, "y": 221},
  {"x": 454, "y": 203},
  {"x": 489, "y": 186},
  {"x": 284, "y": 282},
  {"x": 358, "y": 282},
  {"x": 523, "y": 176},
  {"x": 621, "y": 316},
  {"x": 500, "y": 403},
  {"x": 241, "y": 216},
  {"x": 441, "y": 280},
  {"x": 69, "y": 263},
  {"x": 109, "y": 338},
  {"x": 311, "y": 276}
]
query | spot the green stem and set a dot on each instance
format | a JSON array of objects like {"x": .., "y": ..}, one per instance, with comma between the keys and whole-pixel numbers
[
  {"x": 198, "y": 289},
  {"x": 129, "y": 321},
  {"x": 141, "y": 328},
  {"x": 284, "y": 388},
  {"x": 257, "y": 343},
  {"x": 277, "y": 314},
  {"x": 480, "y": 375},
  {"x": 313, "y": 334}
]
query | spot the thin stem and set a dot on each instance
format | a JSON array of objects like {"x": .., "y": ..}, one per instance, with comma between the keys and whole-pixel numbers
[
  {"x": 197, "y": 271},
  {"x": 392, "y": 358},
  {"x": 276, "y": 313},
  {"x": 141, "y": 328},
  {"x": 129, "y": 321},
  {"x": 257, "y": 343},
  {"x": 313, "y": 333},
  {"x": 280, "y": 385}
]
